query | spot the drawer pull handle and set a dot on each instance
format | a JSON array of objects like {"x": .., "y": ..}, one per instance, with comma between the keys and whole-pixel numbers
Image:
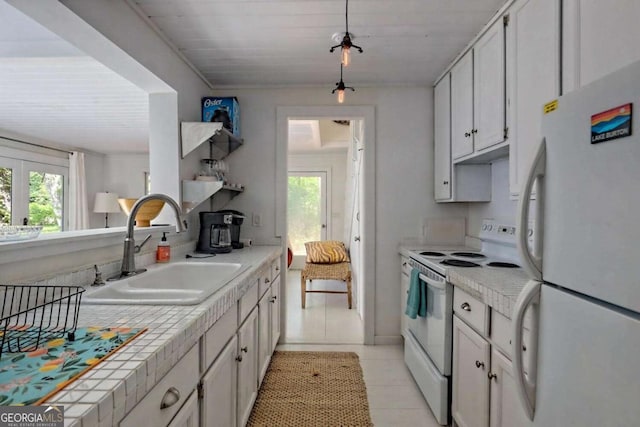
[
  {"x": 267, "y": 280},
  {"x": 479, "y": 364},
  {"x": 239, "y": 358},
  {"x": 170, "y": 398},
  {"x": 492, "y": 376},
  {"x": 244, "y": 349},
  {"x": 465, "y": 306}
]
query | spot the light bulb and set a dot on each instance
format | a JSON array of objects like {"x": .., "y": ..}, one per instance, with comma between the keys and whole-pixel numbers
[
  {"x": 340, "y": 96},
  {"x": 346, "y": 56}
]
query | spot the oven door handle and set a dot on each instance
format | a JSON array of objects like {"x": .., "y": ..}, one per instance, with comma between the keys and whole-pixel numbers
[{"x": 439, "y": 285}]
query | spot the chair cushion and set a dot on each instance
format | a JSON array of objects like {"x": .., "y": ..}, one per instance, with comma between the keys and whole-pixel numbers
[{"x": 326, "y": 252}]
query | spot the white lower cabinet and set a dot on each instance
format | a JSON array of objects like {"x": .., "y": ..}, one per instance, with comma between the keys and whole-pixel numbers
[
  {"x": 484, "y": 392},
  {"x": 247, "y": 367},
  {"x": 166, "y": 398},
  {"x": 471, "y": 355},
  {"x": 220, "y": 389},
  {"x": 264, "y": 335},
  {"x": 506, "y": 409},
  {"x": 189, "y": 414},
  {"x": 275, "y": 312}
]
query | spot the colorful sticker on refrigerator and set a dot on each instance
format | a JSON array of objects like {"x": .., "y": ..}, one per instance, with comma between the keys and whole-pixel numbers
[{"x": 611, "y": 124}]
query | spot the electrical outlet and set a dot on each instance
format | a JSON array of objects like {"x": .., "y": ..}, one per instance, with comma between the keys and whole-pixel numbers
[{"x": 257, "y": 220}]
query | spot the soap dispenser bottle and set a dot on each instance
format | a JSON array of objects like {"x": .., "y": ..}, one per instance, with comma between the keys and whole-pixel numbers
[{"x": 163, "y": 253}]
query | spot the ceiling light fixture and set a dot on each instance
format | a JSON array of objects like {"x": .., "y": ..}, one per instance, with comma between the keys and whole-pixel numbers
[
  {"x": 346, "y": 43},
  {"x": 340, "y": 88}
]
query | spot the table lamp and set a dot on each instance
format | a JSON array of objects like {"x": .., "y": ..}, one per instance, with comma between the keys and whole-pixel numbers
[{"x": 106, "y": 203}]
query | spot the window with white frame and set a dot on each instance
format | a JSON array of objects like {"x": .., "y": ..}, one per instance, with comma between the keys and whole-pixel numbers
[{"x": 34, "y": 189}]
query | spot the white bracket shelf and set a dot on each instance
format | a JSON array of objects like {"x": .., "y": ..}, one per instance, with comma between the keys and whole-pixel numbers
[
  {"x": 196, "y": 192},
  {"x": 194, "y": 134}
]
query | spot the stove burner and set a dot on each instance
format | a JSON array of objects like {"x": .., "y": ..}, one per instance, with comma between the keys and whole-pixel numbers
[
  {"x": 432, "y": 254},
  {"x": 502, "y": 265},
  {"x": 459, "y": 263},
  {"x": 468, "y": 255}
]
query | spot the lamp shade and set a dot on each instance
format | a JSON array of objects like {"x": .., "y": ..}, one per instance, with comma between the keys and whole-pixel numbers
[{"x": 106, "y": 203}]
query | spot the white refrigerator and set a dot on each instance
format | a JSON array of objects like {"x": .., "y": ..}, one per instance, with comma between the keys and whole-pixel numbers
[{"x": 585, "y": 260}]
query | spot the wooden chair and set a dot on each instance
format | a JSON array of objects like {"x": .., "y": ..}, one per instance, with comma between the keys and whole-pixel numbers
[{"x": 338, "y": 271}]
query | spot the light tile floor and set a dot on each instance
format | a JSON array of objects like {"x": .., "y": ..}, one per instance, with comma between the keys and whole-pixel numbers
[
  {"x": 326, "y": 318},
  {"x": 394, "y": 398}
]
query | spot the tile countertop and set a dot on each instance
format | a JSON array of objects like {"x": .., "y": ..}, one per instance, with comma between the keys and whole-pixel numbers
[
  {"x": 106, "y": 393},
  {"x": 497, "y": 287}
]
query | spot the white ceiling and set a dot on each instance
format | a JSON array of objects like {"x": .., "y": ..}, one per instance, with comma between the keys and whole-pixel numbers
[
  {"x": 53, "y": 92},
  {"x": 313, "y": 136},
  {"x": 286, "y": 42}
]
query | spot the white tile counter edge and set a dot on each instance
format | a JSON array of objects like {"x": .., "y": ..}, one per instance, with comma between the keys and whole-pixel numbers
[{"x": 106, "y": 393}]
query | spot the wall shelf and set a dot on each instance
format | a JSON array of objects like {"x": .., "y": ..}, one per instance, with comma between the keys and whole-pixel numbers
[
  {"x": 196, "y": 192},
  {"x": 222, "y": 142}
]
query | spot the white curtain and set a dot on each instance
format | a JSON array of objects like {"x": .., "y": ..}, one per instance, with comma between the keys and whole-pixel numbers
[{"x": 78, "y": 205}]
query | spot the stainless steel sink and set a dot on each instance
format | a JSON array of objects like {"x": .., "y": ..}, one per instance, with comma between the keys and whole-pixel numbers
[{"x": 179, "y": 283}]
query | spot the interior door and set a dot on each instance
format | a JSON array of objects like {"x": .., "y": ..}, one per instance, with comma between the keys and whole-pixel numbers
[{"x": 307, "y": 211}]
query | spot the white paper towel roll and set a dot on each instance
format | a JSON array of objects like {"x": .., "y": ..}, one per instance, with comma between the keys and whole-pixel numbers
[{"x": 246, "y": 242}]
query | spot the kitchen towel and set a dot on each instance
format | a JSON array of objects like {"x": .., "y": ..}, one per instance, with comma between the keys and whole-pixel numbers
[
  {"x": 417, "y": 298},
  {"x": 31, "y": 378}
]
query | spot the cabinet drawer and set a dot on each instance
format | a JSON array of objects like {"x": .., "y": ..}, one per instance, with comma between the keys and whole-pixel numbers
[
  {"x": 404, "y": 265},
  {"x": 474, "y": 312},
  {"x": 264, "y": 282},
  {"x": 501, "y": 336},
  {"x": 275, "y": 269},
  {"x": 181, "y": 380},
  {"x": 217, "y": 336},
  {"x": 247, "y": 303}
]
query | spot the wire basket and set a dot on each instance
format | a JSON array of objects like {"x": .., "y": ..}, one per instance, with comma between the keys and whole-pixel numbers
[{"x": 32, "y": 315}]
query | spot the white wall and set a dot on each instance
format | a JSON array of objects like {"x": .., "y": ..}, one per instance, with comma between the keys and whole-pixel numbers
[
  {"x": 404, "y": 178},
  {"x": 336, "y": 164}
]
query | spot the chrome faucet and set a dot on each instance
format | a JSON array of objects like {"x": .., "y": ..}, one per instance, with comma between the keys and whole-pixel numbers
[{"x": 130, "y": 248}]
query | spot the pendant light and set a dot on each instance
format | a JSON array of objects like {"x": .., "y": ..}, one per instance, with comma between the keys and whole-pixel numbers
[
  {"x": 340, "y": 88},
  {"x": 346, "y": 43}
]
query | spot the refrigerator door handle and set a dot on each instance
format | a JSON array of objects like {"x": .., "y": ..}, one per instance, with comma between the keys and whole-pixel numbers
[
  {"x": 532, "y": 262},
  {"x": 526, "y": 383}
]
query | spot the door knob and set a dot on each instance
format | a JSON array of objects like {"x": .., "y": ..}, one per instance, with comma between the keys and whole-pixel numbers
[{"x": 324, "y": 225}]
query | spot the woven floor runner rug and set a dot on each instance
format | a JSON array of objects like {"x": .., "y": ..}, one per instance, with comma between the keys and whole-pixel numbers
[{"x": 309, "y": 389}]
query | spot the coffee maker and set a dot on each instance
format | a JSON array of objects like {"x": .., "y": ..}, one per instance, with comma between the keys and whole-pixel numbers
[
  {"x": 236, "y": 222},
  {"x": 215, "y": 234}
]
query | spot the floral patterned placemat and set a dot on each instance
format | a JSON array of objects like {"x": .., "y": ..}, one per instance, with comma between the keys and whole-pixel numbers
[{"x": 30, "y": 378}]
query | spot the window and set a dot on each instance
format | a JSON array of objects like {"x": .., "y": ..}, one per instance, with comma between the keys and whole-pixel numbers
[
  {"x": 307, "y": 209},
  {"x": 33, "y": 190}
]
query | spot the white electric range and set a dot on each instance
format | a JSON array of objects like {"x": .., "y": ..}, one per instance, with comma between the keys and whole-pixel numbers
[{"x": 428, "y": 345}]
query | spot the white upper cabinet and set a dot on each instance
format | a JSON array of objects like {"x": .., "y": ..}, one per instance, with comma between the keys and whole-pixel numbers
[
  {"x": 442, "y": 138},
  {"x": 478, "y": 96},
  {"x": 462, "y": 107},
  {"x": 533, "y": 75},
  {"x": 599, "y": 37},
  {"x": 489, "y": 88}
]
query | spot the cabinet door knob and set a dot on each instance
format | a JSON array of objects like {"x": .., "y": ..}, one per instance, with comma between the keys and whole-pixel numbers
[
  {"x": 273, "y": 299},
  {"x": 239, "y": 358},
  {"x": 445, "y": 182},
  {"x": 266, "y": 280},
  {"x": 465, "y": 306},
  {"x": 492, "y": 376},
  {"x": 467, "y": 134},
  {"x": 404, "y": 264},
  {"x": 244, "y": 349},
  {"x": 277, "y": 268},
  {"x": 170, "y": 398},
  {"x": 474, "y": 130},
  {"x": 479, "y": 364}
]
